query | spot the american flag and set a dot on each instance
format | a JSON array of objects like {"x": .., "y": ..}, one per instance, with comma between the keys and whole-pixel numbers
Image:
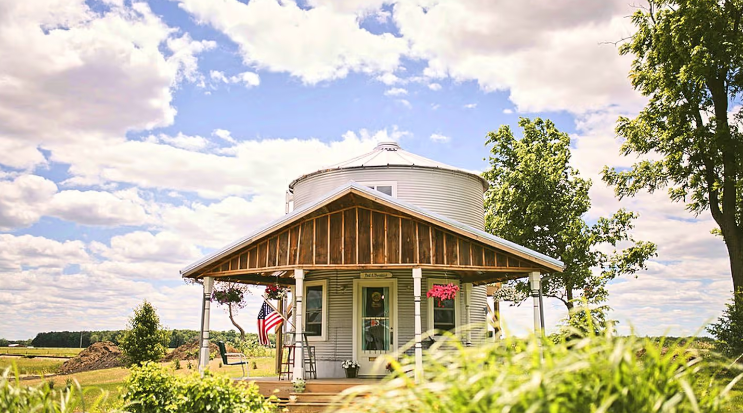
[{"x": 267, "y": 319}]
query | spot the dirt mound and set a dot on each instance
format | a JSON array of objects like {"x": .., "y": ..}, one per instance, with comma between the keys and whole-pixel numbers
[
  {"x": 190, "y": 351},
  {"x": 101, "y": 355}
]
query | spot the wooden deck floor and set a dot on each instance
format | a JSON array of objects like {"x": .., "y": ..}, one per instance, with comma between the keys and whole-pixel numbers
[{"x": 319, "y": 394}]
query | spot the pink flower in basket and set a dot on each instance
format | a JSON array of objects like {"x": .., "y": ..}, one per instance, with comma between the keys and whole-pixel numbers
[{"x": 443, "y": 293}]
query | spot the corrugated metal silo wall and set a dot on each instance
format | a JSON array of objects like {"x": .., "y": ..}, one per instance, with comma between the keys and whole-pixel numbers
[
  {"x": 453, "y": 194},
  {"x": 339, "y": 343}
]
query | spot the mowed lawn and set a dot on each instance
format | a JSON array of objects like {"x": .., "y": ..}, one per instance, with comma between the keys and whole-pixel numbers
[
  {"x": 31, "y": 366},
  {"x": 108, "y": 384},
  {"x": 41, "y": 351}
]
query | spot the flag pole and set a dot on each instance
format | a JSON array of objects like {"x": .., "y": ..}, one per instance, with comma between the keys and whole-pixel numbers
[
  {"x": 267, "y": 301},
  {"x": 280, "y": 338}
]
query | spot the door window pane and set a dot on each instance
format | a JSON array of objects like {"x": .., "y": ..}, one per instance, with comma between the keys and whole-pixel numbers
[
  {"x": 375, "y": 334},
  {"x": 313, "y": 314}
]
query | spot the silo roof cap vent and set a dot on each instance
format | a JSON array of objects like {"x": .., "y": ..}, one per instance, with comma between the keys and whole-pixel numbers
[{"x": 387, "y": 146}]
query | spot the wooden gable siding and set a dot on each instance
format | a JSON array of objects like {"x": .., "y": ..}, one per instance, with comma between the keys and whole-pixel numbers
[{"x": 362, "y": 237}]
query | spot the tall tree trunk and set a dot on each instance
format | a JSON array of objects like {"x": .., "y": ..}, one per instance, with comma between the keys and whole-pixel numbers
[
  {"x": 232, "y": 318},
  {"x": 569, "y": 294},
  {"x": 724, "y": 210},
  {"x": 734, "y": 243}
]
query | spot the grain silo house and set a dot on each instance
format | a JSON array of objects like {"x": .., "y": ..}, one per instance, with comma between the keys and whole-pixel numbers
[{"x": 366, "y": 240}]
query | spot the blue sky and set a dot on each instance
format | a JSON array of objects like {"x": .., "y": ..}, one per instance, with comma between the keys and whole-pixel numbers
[{"x": 136, "y": 137}]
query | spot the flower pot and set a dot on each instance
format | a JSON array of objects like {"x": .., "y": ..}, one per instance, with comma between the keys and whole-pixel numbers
[{"x": 352, "y": 373}]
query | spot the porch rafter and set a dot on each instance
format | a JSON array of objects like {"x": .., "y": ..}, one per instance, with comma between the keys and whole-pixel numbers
[{"x": 356, "y": 232}]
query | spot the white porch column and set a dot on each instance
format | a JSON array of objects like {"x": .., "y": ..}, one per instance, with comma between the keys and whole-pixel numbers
[
  {"x": 205, "y": 309},
  {"x": 299, "y": 324},
  {"x": 417, "y": 275},
  {"x": 535, "y": 283},
  {"x": 467, "y": 313}
]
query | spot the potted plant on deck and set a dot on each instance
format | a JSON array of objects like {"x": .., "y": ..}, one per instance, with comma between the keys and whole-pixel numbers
[{"x": 351, "y": 367}]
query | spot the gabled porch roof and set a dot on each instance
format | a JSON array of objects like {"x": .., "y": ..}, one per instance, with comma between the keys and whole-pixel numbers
[{"x": 355, "y": 227}]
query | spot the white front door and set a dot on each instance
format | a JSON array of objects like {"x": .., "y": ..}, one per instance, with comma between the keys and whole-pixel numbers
[{"x": 375, "y": 307}]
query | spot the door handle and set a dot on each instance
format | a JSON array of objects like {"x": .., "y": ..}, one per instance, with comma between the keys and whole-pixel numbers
[{"x": 392, "y": 337}]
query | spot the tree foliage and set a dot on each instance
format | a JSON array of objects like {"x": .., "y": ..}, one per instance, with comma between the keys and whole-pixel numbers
[
  {"x": 145, "y": 339},
  {"x": 728, "y": 330},
  {"x": 688, "y": 58},
  {"x": 538, "y": 200}
]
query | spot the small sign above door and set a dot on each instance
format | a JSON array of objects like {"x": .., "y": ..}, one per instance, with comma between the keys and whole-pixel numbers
[{"x": 376, "y": 275}]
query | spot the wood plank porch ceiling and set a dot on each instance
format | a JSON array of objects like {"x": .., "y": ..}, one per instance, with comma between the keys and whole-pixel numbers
[{"x": 357, "y": 233}]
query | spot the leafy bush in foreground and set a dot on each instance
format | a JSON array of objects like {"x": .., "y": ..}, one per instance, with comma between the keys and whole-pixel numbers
[
  {"x": 151, "y": 388},
  {"x": 594, "y": 374}
]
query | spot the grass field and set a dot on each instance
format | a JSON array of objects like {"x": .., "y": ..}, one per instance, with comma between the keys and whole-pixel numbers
[
  {"x": 31, "y": 366},
  {"x": 42, "y": 351},
  {"x": 108, "y": 383}
]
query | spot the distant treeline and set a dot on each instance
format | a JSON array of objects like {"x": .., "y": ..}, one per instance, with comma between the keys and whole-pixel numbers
[
  {"x": 6, "y": 343},
  {"x": 72, "y": 339}
]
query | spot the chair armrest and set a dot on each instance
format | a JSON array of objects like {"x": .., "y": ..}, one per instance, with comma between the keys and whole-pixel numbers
[{"x": 243, "y": 357}]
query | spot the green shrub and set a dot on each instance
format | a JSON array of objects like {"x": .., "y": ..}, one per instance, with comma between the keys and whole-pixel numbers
[
  {"x": 217, "y": 393},
  {"x": 728, "y": 330},
  {"x": 583, "y": 321},
  {"x": 592, "y": 374},
  {"x": 151, "y": 388}
]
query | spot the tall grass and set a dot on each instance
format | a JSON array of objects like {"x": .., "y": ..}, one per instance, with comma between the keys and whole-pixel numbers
[
  {"x": 46, "y": 397},
  {"x": 593, "y": 374}
]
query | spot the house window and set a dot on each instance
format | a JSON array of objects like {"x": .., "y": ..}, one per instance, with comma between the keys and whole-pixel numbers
[
  {"x": 443, "y": 316},
  {"x": 385, "y": 187},
  {"x": 316, "y": 309}
]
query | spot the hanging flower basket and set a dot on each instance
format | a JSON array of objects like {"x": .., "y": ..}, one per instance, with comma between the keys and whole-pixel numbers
[
  {"x": 227, "y": 296},
  {"x": 275, "y": 292},
  {"x": 442, "y": 293}
]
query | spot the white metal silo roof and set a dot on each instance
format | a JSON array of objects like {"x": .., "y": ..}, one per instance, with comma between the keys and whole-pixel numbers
[{"x": 388, "y": 154}]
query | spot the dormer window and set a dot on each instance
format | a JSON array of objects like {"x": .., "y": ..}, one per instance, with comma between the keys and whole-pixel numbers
[{"x": 385, "y": 187}]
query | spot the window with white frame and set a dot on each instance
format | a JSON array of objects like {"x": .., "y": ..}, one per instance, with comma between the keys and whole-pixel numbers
[
  {"x": 385, "y": 187},
  {"x": 316, "y": 309},
  {"x": 443, "y": 314}
]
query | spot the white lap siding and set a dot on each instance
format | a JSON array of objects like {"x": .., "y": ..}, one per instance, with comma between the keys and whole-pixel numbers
[{"x": 339, "y": 343}]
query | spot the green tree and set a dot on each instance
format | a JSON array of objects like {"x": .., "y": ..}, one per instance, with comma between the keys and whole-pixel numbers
[
  {"x": 688, "y": 58},
  {"x": 145, "y": 339},
  {"x": 538, "y": 200},
  {"x": 728, "y": 330},
  {"x": 231, "y": 295}
]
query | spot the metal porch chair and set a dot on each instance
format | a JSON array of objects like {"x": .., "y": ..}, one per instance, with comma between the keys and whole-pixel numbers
[{"x": 225, "y": 355}]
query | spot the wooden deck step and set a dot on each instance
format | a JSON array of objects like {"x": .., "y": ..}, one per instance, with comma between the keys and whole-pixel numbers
[
  {"x": 319, "y": 395},
  {"x": 307, "y": 407}
]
